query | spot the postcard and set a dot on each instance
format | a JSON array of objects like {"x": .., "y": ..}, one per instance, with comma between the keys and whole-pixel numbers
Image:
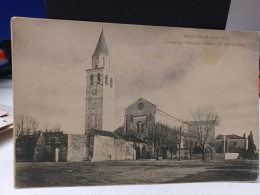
[
  {"x": 116, "y": 104},
  {"x": 6, "y": 118}
]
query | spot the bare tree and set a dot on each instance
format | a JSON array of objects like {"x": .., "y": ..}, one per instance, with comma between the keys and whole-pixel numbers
[
  {"x": 25, "y": 133},
  {"x": 180, "y": 136},
  {"x": 171, "y": 141},
  {"x": 157, "y": 136},
  {"x": 55, "y": 128},
  {"x": 211, "y": 147},
  {"x": 132, "y": 132},
  {"x": 25, "y": 125},
  {"x": 189, "y": 142},
  {"x": 203, "y": 127}
]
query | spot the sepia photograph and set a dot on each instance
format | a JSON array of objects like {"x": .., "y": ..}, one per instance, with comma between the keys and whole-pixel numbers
[{"x": 115, "y": 104}]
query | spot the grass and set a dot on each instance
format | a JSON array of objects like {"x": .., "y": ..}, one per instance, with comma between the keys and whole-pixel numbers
[{"x": 43, "y": 174}]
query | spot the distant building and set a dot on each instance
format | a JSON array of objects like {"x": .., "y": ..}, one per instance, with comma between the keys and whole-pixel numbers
[
  {"x": 142, "y": 118},
  {"x": 230, "y": 143}
]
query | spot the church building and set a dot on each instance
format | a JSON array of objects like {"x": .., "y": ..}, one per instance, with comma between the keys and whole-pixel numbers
[
  {"x": 143, "y": 119},
  {"x": 148, "y": 132}
]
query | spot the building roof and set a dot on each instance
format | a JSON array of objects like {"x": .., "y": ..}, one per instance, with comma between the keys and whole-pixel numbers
[
  {"x": 142, "y": 99},
  {"x": 230, "y": 137},
  {"x": 104, "y": 133},
  {"x": 192, "y": 123},
  {"x": 101, "y": 46},
  {"x": 120, "y": 129},
  {"x": 126, "y": 137},
  {"x": 130, "y": 138}
]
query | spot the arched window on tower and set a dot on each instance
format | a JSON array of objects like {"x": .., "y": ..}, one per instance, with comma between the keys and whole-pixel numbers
[
  {"x": 106, "y": 80},
  {"x": 91, "y": 79},
  {"x": 111, "y": 82},
  {"x": 98, "y": 78},
  {"x": 104, "y": 62}
]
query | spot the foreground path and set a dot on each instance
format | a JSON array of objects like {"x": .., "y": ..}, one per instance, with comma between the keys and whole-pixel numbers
[{"x": 40, "y": 174}]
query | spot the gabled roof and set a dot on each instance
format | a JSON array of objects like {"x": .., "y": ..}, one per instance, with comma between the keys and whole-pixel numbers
[
  {"x": 130, "y": 138},
  {"x": 120, "y": 129},
  {"x": 126, "y": 137},
  {"x": 104, "y": 133},
  {"x": 140, "y": 100},
  {"x": 230, "y": 137},
  {"x": 101, "y": 46}
]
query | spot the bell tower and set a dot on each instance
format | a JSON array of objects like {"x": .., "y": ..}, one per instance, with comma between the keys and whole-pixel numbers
[{"x": 100, "y": 91}]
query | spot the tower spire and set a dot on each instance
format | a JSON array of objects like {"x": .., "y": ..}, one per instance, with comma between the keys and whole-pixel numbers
[{"x": 101, "y": 46}]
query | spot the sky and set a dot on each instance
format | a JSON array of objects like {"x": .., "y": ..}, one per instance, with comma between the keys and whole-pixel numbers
[{"x": 51, "y": 58}]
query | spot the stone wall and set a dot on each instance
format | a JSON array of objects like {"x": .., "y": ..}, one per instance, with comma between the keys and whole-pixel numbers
[
  {"x": 76, "y": 147},
  {"x": 110, "y": 148},
  {"x": 46, "y": 145}
]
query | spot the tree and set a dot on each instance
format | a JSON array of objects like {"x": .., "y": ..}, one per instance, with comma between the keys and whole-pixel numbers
[
  {"x": 203, "y": 127},
  {"x": 132, "y": 132},
  {"x": 47, "y": 142},
  {"x": 180, "y": 135},
  {"x": 157, "y": 137},
  {"x": 189, "y": 142},
  {"x": 25, "y": 125},
  {"x": 171, "y": 141},
  {"x": 211, "y": 147},
  {"x": 251, "y": 146},
  {"x": 25, "y": 133}
]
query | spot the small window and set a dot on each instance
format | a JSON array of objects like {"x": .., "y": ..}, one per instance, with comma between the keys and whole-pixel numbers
[
  {"x": 98, "y": 77},
  {"x": 111, "y": 82},
  {"x": 106, "y": 80},
  {"x": 131, "y": 118},
  {"x": 235, "y": 143},
  {"x": 91, "y": 79},
  {"x": 138, "y": 128},
  {"x": 142, "y": 128}
]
